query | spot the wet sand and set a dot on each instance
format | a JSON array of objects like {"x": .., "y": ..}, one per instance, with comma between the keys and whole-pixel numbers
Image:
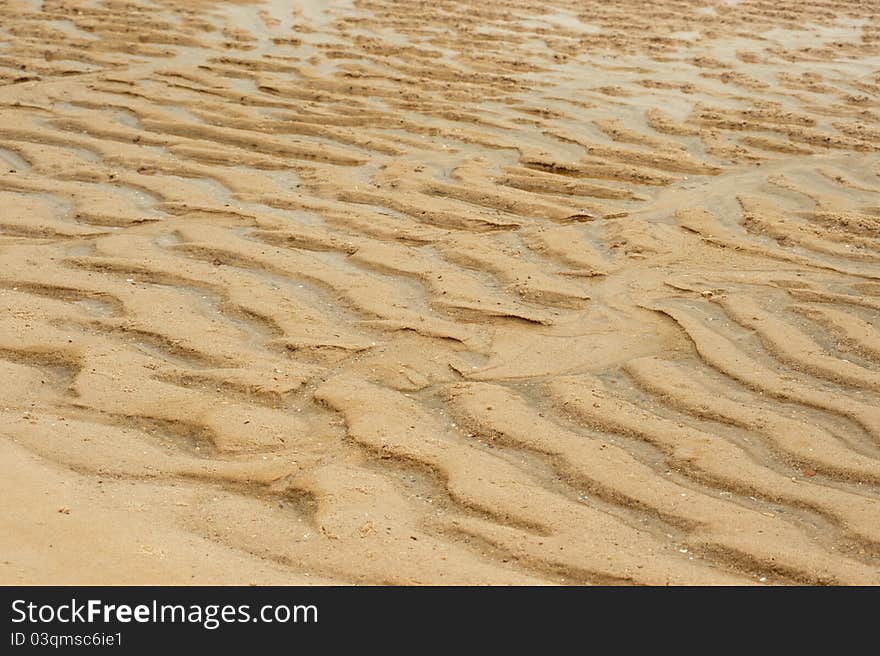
[{"x": 499, "y": 292}]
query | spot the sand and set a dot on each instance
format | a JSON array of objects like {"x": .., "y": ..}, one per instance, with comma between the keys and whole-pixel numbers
[{"x": 395, "y": 292}]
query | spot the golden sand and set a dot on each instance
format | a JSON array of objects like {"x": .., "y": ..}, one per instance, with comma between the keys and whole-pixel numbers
[{"x": 508, "y": 291}]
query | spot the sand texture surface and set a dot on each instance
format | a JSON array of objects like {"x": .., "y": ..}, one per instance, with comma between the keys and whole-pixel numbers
[{"x": 405, "y": 292}]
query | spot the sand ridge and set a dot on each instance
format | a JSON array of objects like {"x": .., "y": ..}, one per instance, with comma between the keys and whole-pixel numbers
[{"x": 509, "y": 292}]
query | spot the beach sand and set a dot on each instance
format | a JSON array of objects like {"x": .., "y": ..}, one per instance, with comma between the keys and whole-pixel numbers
[{"x": 396, "y": 292}]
